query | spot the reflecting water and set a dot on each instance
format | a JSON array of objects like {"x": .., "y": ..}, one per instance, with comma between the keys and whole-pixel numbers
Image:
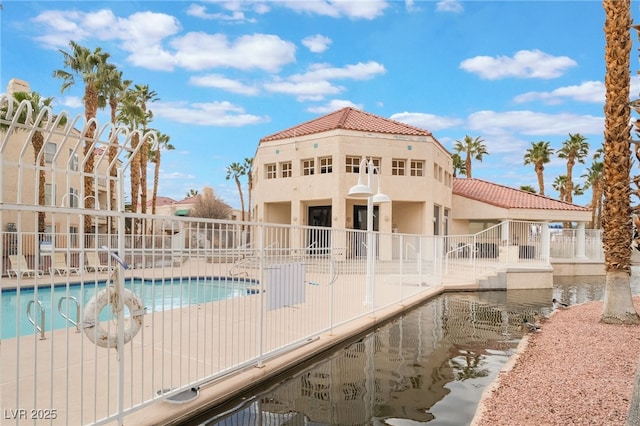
[{"x": 429, "y": 366}]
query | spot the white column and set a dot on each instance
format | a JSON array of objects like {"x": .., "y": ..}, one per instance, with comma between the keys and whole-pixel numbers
[
  {"x": 580, "y": 241},
  {"x": 545, "y": 242}
]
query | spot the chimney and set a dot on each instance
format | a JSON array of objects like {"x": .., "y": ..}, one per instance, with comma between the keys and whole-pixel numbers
[{"x": 16, "y": 85}]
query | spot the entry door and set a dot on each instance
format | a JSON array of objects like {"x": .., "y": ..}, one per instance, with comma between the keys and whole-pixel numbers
[
  {"x": 319, "y": 240},
  {"x": 359, "y": 244}
]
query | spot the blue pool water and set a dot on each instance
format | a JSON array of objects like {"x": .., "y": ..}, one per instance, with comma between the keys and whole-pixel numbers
[{"x": 156, "y": 295}]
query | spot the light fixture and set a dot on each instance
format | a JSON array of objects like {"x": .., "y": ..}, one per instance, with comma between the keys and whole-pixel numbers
[{"x": 360, "y": 190}]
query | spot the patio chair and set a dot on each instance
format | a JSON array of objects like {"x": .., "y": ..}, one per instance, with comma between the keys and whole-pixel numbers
[
  {"x": 19, "y": 266},
  {"x": 95, "y": 264},
  {"x": 59, "y": 265}
]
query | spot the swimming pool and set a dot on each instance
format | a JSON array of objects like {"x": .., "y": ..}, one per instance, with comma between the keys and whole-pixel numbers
[{"x": 156, "y": 295}]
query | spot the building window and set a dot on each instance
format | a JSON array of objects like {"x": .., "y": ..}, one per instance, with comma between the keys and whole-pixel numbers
[
  {"x": 73, "y": 197},
  {"x": 398, "y": 167},
  {"x": 417, "y": 168},
  {"x": 353, "y": 164},
  {"x": 326, "y": 165},
  {"x": 49, "y": 151},
  {"x": 271, "y": 171},
  {"x": 73, "y": 161},
  {"x": 307, "y": 167},
  {"x": 376, "y": 164},
  {"x": 49, "y": 194},
  {"x": 285, "y": 169},
  {"x": 436, "y": 220},
  {"x": 73, "y": 234}
]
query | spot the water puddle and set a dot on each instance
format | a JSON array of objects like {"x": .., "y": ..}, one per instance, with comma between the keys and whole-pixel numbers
[{"x": 429, "y": 366}]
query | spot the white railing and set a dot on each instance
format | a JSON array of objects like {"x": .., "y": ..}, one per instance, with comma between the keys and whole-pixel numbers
[{"x": 200, "y": 300}]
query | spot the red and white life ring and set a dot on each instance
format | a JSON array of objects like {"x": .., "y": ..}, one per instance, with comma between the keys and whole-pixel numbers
[{"x": 108, "y": 296}]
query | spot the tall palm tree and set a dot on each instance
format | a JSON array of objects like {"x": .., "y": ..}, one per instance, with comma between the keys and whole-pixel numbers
[
  {"x": 617, "y": 229},
  {"x": 131, "y": 115},
  {"x": 144, "y": 95},
  {"x": 235, "y": 170},
  {"x": 248, "y": 164},
  {"x": 155, "y": 157},
  {"x": 88, "y": 66},
  {"x": 38, "y": 105},
  {"x": 539, "y": 154},
  {"x": 458, "y": 165},
  {"x": 594, "y": 180},
  {"x": 473, "y": 149},
  {"x": 111, "y": 90},
  {"x": 575, "y": 149}
]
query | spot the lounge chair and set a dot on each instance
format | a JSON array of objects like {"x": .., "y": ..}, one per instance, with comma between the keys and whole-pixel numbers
[
  {"x": 94, "y": 263},
  {"x": 60, "y": 266},
  {"x": 19, "y": 266}
]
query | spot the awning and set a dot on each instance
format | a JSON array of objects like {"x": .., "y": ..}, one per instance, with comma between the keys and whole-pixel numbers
[{"x": 183, "y": 212}]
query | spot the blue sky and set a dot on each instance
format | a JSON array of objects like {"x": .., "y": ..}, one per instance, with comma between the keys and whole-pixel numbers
[{"x": 230, "y": 72}]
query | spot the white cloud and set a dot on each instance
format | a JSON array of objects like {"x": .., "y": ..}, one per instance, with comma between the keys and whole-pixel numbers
[
  {"x": 317, "y": 43},
  {"x": 199, "y": 50},
  {"x": 524, "y": 64},
  {"x": 222, "y": 114},
  {"x": 533, "y": 123},
  {"x": 334, "y": 105},
  {"x": 430, "y": 122},
  {"x": 589, "y": 91},
  {"x": 73, "y": 102},
  {"x": 315, "y": 84},
  {"x": 220, "y": 82},
  {"x": 369, "y": 9},
  {"x": 200, "y": 11},
  {"x": 449, "y": 6},
  {"x": 234, "y": 10}
]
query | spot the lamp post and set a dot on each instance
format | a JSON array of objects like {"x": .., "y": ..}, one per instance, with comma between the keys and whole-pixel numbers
[{"x": 360, "y": 190}]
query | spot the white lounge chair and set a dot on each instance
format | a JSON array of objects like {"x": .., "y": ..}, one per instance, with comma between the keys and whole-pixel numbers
[
  {"x": 59, "y": 265},
  {"x": 19, "y": 266},
  {"x": 94, "y": 264}
]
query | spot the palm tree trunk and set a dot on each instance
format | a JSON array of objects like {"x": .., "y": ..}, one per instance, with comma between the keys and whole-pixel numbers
[
  {"x": 91, "y": 107},
  {"x": 539, "y": 170},
  {"x": 38, "y": 141},
  {"x": 156, "y": 180},
  {"x": 618, "y": 304}
]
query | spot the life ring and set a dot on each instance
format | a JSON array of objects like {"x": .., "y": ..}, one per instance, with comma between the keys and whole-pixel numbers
[{"x": 108, "y": 296}]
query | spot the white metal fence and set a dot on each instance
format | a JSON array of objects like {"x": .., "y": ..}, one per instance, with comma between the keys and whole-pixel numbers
[{"x": 100, "y": 321}]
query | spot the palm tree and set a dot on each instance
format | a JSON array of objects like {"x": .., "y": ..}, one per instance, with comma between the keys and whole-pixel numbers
[
  {"x": 38, "y": 105},
  {"x": 143, "y": 96},
  {"x": 473, "y": 148},
  {"x": 594, "y": 180},
  {"x": 191, "y": 193},
  {"x": 617, "y": 230},
  {"x": 248, "y": 164},
  {"x": 111, "y": 90},
  {"x": 131, "y": 115},
  {"x": 528, "y": 188},
  {"x": 575, "y": 149},
  {"x": 235, "y": 170},
  {"x": 163, "y": 143},
  {"x": 539, "y": 154},
  {"x": 88, "y": 66},
  {"x": 458, "y": 165},
  {"x": 560, "y": 185}
]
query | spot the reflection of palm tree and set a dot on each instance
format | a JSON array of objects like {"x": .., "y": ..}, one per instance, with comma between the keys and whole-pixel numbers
[{"x": 470, "y": 369}]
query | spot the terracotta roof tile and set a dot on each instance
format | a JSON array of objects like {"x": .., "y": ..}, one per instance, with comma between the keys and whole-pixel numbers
[
  {"x": 349, "y": 119},
  {"x": 510, "y": 198}
]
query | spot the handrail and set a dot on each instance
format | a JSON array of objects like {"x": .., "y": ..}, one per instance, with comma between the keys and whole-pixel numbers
[
  {"x": 66, "y": 317},
  {"x": 42, "y": 317}
]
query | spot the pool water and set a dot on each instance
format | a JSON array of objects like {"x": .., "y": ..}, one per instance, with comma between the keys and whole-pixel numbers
[{"x": 156, "y": 295}]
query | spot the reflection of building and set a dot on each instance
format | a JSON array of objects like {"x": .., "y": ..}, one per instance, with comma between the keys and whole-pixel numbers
[{"x": 405, "y": 368}]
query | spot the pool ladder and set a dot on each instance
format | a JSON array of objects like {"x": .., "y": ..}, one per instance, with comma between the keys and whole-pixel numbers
[{"x": 41, "y": 325}]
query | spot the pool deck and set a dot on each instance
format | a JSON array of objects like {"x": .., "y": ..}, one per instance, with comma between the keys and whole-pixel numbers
[{"x": 76, "y": 360}]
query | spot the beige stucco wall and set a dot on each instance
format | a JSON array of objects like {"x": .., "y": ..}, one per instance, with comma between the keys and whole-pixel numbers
[
  {"x": 412, "y": 197},
  {"x": 19, "y": 178}
]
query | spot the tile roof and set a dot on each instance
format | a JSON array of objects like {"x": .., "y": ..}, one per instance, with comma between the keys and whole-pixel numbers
[
  {"x": 349, "y": 119},
  {"x": 509, "y": 198}
]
